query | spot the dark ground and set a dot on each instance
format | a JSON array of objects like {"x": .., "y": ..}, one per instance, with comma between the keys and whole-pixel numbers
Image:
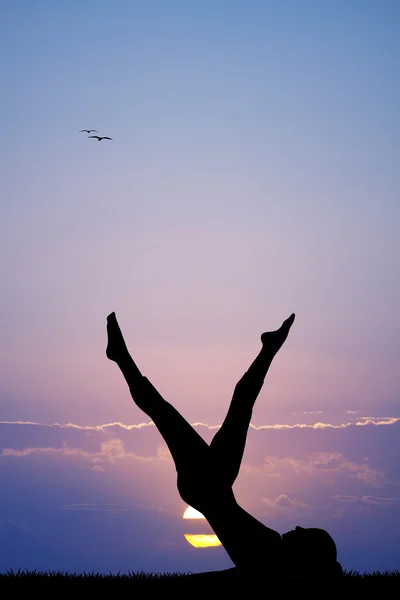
[{"x": 140, "y": 584}]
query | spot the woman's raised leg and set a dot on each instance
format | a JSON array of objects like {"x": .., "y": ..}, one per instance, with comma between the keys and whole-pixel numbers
[
  {"x": 187, "y": 447},
  {"x": 229, "y": 442}
]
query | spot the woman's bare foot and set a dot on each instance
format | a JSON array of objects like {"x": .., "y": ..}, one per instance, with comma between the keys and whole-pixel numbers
[
  {"x": 116, "y": 347},
  {"x": 273, "y": 340}
]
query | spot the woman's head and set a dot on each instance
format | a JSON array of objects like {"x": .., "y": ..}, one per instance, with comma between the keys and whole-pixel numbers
[{"x": 310, "y": 551}]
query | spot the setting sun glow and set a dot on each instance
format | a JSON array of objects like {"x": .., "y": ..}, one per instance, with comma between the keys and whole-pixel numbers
[
  {"x": 199, "y": 540},
  {"x": 202, "y": 540},
  {"x": 192, "y": 513}
]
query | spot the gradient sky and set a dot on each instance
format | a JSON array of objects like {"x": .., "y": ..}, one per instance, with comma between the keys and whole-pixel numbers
[{"x": 253, "y": 172}]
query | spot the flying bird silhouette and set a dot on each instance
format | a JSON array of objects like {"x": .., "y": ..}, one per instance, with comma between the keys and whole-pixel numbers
[
  {"x": 100, "y": 138},
  {"x": 88, "y": 130}
]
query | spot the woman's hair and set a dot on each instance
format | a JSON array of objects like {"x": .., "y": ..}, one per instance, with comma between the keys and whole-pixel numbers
[
  {"x": 312, "y": 553},
  {"x": 320, "y": 555},
  {"x": 321, "y": 543}
]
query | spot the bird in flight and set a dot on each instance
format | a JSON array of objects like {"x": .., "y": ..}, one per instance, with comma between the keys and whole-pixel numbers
[
  {"x": 89, "y": 130},
  {"x": 100, "y": 138}
]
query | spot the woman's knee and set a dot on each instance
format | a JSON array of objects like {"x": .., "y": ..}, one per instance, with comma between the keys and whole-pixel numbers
[{"x": 204, "y": 491}]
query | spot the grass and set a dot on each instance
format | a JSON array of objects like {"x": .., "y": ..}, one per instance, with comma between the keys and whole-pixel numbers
[{"x": 139, "y": 583}]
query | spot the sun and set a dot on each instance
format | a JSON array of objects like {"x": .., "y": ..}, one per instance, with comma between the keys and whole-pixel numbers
[
  {"x": 192, "y": 513},
  {"x": 202, "y": 540},
  {"x": 199, "y": 540}
]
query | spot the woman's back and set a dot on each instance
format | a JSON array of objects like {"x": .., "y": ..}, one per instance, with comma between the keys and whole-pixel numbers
[{"x": 249, "y": 543}]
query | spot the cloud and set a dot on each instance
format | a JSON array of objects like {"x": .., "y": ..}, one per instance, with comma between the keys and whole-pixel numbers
[
  {"x": 345, "y": 498},
  {"x": 98, "y": 507},
  {"x": 317, "y": 464},
  {"x": 284, "y": 505},
  {"x": 376, "y": 500},
  {"x": 381, "y": 501},
  {"x": 361, "y": 421}
]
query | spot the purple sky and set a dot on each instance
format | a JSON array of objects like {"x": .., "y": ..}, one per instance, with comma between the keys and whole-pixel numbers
[
  {"x": 85, "y": 498},
  {"x": 253, "y": 173}
]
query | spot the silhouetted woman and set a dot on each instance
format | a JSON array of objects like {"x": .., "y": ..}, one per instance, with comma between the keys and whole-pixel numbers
[{"x": 207, "y": 472}]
